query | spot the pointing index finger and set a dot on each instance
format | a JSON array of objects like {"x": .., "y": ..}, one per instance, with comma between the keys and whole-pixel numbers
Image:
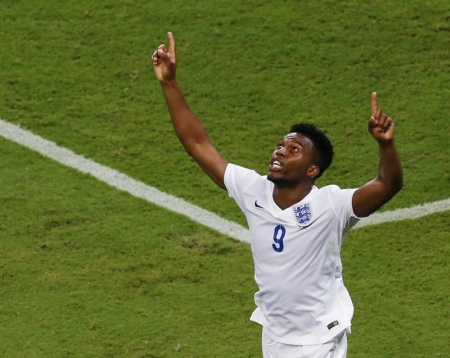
[
  {"x": 171, "y": 42},
  {"x": 374, "y": 103}
]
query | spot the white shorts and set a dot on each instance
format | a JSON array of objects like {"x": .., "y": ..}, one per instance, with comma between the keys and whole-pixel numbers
[{"x": 336, "y": 348}]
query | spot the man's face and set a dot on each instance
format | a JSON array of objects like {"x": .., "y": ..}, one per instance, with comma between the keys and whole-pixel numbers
[{"x": 291, "y": 162}]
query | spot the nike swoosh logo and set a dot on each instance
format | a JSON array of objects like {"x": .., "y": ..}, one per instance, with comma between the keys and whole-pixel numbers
[{"x": 258, "y": 206}]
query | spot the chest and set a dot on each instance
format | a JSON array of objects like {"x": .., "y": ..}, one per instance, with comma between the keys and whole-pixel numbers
[{"x": 303, "y": 230}]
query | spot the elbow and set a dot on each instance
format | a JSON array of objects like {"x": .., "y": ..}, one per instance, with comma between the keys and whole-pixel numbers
[
  {"x": 399, "y": 183},
  {"x": 189, "y": 152},
  {"x": 193, "y": 150},
  {"x": 396, "y": 186},
  {"x": 392, "y": 181}
]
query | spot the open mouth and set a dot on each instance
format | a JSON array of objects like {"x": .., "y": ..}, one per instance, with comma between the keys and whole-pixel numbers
[{"x": 275, "y": 166}]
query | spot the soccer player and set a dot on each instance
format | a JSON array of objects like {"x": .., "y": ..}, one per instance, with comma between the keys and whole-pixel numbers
[{"x": 296, "y": 229}]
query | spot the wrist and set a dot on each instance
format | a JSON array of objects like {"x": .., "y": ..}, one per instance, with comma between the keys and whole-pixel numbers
[
  {"x": 386, "y": 143},
  {"x": 172, "y": 82}
]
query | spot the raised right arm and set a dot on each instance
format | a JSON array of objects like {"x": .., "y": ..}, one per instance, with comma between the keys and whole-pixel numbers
[{"x": 188, "y": 128}]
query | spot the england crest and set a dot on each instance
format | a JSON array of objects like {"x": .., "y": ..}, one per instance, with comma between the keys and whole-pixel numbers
[{"x": 303, "y": 214}]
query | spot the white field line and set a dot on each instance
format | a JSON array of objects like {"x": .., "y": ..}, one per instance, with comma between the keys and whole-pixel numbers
[
  {"x": 413, "y": 212},
  {"x": 122, "y": 181},
  {"x": 136, "y": 188}
]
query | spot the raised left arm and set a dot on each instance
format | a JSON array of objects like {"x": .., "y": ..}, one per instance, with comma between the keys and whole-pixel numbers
[{"x": 371, "y": 196}]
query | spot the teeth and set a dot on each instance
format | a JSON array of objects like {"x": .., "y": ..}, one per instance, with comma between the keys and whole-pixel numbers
[{"x": 276, "y": 163}]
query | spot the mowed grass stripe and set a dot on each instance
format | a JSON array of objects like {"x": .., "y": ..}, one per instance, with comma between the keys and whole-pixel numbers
[
  {"x": 121, "y": 181},
  {"x": 136, "y": 188}
]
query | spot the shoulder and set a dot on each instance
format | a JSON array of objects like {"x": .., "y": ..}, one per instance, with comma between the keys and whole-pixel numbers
[
  {"x": 336, "y": 195},
  {"x": 329, "y": 190},
  {"x": 236, "y": 173},
  {"x": 334, "y": 189},
  {"x": 238, "y": 179},
  {"x": 238, "y": 170}
]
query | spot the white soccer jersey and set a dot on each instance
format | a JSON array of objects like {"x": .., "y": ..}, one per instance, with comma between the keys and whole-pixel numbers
[{"x": 301, "y": 299}]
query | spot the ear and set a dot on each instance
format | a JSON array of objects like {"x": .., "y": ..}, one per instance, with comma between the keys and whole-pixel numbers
[{"x": 313, "y": 171}]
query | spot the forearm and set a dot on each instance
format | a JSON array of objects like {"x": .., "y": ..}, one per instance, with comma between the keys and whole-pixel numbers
[
  {"x": 390, "y": 172},
  {"x": 374, "y": 194},
  {"x": 187, "y": 126}
]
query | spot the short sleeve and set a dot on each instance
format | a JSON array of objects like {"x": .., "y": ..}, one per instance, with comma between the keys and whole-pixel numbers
[
  {"x": 236, "y": 179},
  {"x": 341, "y": 202}
]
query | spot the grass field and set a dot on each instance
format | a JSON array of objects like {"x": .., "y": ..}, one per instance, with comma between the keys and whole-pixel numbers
[{"x": 88, "y": 271}]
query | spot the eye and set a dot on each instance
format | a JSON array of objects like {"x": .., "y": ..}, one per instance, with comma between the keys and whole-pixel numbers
[
  {"x": 295, "y": 149},
  {"x": 279, "y": 146}
]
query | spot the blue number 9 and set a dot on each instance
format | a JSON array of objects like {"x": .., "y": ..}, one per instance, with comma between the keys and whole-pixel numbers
[{"x": 278, "y": 246}]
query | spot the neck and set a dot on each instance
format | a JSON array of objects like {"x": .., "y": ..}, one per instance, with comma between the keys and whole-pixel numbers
[{"x": 285, "y": 197}]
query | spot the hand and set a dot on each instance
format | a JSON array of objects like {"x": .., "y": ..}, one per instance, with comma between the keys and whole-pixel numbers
[
  {"x": 381, "y": 125},
  {"x": 164, "y": 61}
]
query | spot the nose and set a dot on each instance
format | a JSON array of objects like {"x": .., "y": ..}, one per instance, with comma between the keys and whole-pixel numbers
[{"x": 280, "y": 151}]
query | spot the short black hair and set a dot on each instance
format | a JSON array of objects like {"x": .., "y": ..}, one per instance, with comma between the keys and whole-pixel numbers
[{"x": 323, "y": 149}]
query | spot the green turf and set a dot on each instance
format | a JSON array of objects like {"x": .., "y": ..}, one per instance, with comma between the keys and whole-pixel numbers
[
  {"x": 93, "y": 272},
  {"x": 79, "y": 74},
  {"x": 89, "y": 271},
  {"x": 398, "y": 275}
]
